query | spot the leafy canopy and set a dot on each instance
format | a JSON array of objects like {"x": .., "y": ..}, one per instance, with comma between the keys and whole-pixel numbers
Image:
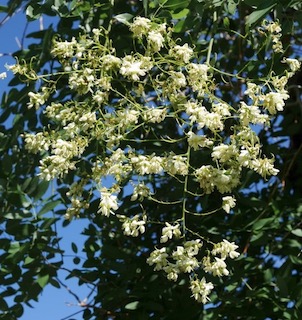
[{"x": 159, "y": 123}]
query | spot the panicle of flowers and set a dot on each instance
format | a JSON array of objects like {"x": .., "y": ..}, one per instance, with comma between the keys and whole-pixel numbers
[
  {"x": 39, "y": 98},
  {"x": 148, "y": 115},
  {"x": 36, "y": 143},
  {"x": 78, "y": 201},
  {"x": 274, "y": 29}
]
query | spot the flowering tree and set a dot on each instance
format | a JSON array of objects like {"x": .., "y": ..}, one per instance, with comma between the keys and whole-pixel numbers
[{"x": 155, "y": 122}]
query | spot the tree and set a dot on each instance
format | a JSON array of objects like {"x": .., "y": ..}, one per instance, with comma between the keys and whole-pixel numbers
[{"x": 160, "y": 123}]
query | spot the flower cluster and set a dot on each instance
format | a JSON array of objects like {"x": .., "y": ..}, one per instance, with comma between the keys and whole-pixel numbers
[
  {"x": 274, "y": 30},
  {"x": 150, "y": 115}
]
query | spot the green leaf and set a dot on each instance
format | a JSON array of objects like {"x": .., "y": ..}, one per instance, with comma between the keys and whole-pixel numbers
[
  {"x": 43, "y": 280},
  {"x": 30, "y": 13},
  {"x": 74, "y": 247},
  {"x": 255, "y": 16},
  {"x": 123, "y": 18},
  {"x": 232, "y": 6},
  {"x": 3, "y": 9},
  {"x": 181, "y": 14},
  {"x": 17, "y": 215},
  {"x": 41, "y": 190},
  {"x": 49, "y": 206},
  {"x": 175, "y": 4},
  {"x": 297, "y": 232},
  {"x": 265, "y": 223},
  {"x": 132, "y": 305}
]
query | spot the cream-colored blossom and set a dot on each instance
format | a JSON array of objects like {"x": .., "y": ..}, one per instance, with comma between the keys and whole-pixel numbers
[
  {"x": 201, "y": 290},
  {"x": 274, "y": 101},
  {"x": 140, "y": 26},
  {"x": 140, "y": 192},
  {"x": 134, "y": 68},
  {"x": 228, "y": 202},
  {"x": 133, "y": 226},
  {"x": 198, "y": 141},
  {"x": 217, "y": 267},
  {"x": 156, "y": 40},
  {"x": 108, "y": 203},
  {"x": 264, "y": 167},
  {"x": 225, "y": 249},
  {"x": 183, "y": 53},
  {"x": 294, "y": 64},
  {"x": 251, "y": 114},
  {"x": 224, "y": 152},
  {"x": 158, "y": 257},
  {"x": 169, "y": 231},
  {"x": 155, "y": 115}
]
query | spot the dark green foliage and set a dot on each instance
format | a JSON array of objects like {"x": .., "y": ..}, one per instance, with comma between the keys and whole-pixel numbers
[{"x": 266, "y": 280}]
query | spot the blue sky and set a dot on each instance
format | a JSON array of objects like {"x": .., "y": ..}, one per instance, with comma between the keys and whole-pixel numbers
[{"x": 54, "y": 304}]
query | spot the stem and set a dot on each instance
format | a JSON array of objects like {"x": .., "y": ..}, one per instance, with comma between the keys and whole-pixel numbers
[
  {"x": 211, "y": 41},
  {"x": 185, "y": 190}
]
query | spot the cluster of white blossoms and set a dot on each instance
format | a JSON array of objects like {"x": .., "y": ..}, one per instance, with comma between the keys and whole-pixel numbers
[
  {"x": 274, "y": 31},
  {"x": 142, "y": 117}
]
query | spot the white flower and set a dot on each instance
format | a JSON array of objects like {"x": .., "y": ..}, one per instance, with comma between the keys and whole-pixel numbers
[
  {"x": 213, "y": 121},
  {"x": 251, "y": 114},
  {"x": 225, "y": 249},
  {"x": 197, "y": 76},
  {"x": 253, "y": 91},
  {"x": 264, "y": 167},
  {"x": 176, "y": 164},
  {"x": 224, "y": 152},
  {"x": 273, "y": 27},
  {"x": 178, "y": 80},
  {"x": 140, "y": 192},
  {"x": 279, "y": 83},
  {"x": 198, "y": 141},
  {"x": 55, "y": 166},
  {"x": 274, "y": 101},
  {"x": 110, "y": 61},
  {"x": 294, "y": 64},
  {"x": 192, "y": 247},
  {"x": 205, "y": 176},
  {"x": 172, "y": 271},
  {"x": 37, "y": 99},
  {"x": 36, "y": 142},
  {"x": 155, "y": 115},
  {"x": 134, "y": 68},
  {"x": 156, "y": 40},
  {"x": 228, "y": 203},
  {"x": 108, "y": 203},
  {"x": 168, "y": 231},
  {"x": 64, "y": 49},
  {"x": 217, "y": 268},
  {"x": 159, "y": 258},
  {"x": 133, "y": 226},
  {"x": 147, "y": 165},
  {"x": 3, "y": 75},
  {"x": 221, "y": 108},
  {"x": 183, "y": 53},
  {"x": 201, "y": 290},
  {"x": 140, "y": 26}
]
